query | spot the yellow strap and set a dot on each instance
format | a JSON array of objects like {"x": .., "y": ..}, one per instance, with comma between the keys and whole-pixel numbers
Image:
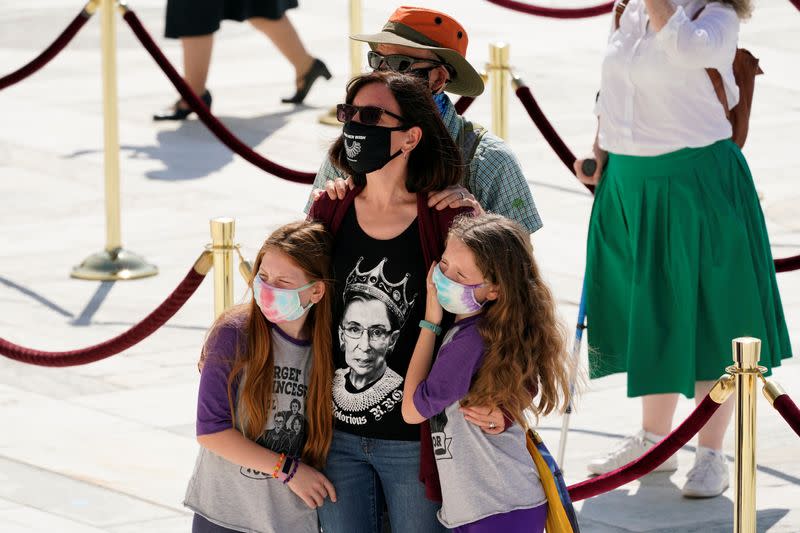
[{"x": 557, "y": 521}]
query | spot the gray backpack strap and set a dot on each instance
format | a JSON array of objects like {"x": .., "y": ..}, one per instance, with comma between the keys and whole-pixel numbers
[{"x": 468, "y": 140}]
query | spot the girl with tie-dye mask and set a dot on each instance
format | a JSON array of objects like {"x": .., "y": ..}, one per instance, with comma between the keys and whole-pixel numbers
[
  {"x": 261, "y": 360},
  {"x": 505, "y": 349}
]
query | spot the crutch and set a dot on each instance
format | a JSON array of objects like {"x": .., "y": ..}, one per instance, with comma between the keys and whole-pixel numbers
[{"x": 575, "y": 360}]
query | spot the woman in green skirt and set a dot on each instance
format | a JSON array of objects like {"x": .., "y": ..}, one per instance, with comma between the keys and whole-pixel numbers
[{"x": 678, "y": 257}]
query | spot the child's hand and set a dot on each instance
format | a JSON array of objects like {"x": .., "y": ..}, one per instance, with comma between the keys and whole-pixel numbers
[
  {"x": 433, "y": 309},
  {"x": 311, "y": 486}
]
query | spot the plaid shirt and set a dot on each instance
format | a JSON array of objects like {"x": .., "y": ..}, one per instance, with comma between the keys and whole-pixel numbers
[{"x": 495, "y": 177}]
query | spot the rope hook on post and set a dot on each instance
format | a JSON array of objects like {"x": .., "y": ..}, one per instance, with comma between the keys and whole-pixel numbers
[
  {"x": 245, "y": 268},
  {"x": 782, "y": 403}
]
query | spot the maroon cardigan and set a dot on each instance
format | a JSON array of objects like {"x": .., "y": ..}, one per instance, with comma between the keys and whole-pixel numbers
[{"x": 433, "y": 227}]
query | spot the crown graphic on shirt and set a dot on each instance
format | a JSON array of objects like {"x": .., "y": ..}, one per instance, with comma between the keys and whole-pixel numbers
[{"x": 373, "y": 284}]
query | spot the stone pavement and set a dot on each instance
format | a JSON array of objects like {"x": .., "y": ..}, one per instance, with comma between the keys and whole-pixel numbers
[{"x": 110, "y": 446}]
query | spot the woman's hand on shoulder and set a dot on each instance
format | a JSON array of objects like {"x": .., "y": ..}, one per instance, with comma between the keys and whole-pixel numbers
[
  {"x": 311, "y": 486},
  {"x": 454, "y": 197},
  {"x": 336, "y": 189}
]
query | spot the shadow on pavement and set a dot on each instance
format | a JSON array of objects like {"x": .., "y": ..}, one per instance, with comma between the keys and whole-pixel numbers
[{"x": 191, "y": 151}]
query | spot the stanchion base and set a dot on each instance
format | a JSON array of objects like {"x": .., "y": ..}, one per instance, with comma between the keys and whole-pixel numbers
[
  {"x": 117, "y": 264},
  {"x": 329, "y": 118}
]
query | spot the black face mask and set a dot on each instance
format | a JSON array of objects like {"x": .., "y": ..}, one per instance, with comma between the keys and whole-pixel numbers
[{"x": 367, "y": 147}]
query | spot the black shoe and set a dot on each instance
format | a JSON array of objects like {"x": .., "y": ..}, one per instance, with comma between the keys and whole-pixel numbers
[
  {"x": 317, "y": 69},
  {"x": 181, "y": 113}
]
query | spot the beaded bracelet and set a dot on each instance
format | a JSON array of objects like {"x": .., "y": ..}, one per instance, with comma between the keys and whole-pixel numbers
[
  {"x": 295, "y": 466},
  {"x": 278, "y": 465}
]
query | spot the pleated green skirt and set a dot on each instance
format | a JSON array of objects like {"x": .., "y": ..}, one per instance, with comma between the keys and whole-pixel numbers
[{"x": 678, "y": 265}]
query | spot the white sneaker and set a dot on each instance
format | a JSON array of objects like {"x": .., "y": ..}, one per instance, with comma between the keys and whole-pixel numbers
[
  {"x": 709, "y": 476},
  {"x": 629, "y": 449}
]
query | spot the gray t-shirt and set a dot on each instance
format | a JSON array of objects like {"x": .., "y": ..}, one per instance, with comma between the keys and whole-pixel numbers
[
  {"x": 237, "y": 497},
  {"x": 481, "y": 475}
]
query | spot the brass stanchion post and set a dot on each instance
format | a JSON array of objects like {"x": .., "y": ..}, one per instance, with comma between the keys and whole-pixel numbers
[
  {"x": 114, "y": 263},
  {"x": 746, "y": 352},
  {"x": 499, "y": 79},
  {"x": 354, "y": 12},
  {"x": 222, "y": 230},
  {"x": 355, "y": 46}
]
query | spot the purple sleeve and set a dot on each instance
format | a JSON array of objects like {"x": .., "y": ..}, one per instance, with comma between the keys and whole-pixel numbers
[
  {"x": 213, "y": 409},
  {"x": 451, "y": 375}
]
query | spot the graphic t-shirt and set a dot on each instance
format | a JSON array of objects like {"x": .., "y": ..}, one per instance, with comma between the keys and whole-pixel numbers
[
  {"x": 481, "y": 475},
  {"x": 380, "y": 298},
  {"x": 238, "y": 497}
]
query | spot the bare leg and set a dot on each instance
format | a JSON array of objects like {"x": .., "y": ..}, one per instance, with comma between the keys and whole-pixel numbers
[
  {"x": 283, "y": 35},
  {"x": 713, "y": 433},
  {"x": 196, "y": 61},
  {"x": 657, "y": 412}
]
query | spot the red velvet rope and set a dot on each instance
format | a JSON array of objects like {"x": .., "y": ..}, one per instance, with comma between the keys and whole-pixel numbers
[
  {"x": 463, "y": 104},
  {"x": 121, "y": 342},
  {"x": 49, "y": 53},
  {"x": 789, "y": 411},
  {"x": 787, "y": 263},
  {"x": 555, "y": 12},
  {"x": 651, "y": 459},
  {"x": 548, "y": 131},
  {"x": 217, "y": 128}
]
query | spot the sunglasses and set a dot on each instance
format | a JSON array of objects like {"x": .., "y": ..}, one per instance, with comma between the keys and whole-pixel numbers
[
  {"x": 369, "y": 115},
  {"x": 400, "y": 63}
]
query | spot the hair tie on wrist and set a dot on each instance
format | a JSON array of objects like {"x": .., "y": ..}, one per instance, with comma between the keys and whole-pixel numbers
[{"x": 295, "y": 466}]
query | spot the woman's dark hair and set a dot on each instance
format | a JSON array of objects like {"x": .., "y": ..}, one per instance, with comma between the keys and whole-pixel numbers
[{"x": 435, "y": 163}]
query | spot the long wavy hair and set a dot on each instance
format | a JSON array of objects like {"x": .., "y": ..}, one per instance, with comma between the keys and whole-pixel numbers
[
  {"x": 435, "y": 163},
  {"x": 308, "y": 244},
  {"x": 743, "y": 8},
  {"x": 525, "y": 365}
]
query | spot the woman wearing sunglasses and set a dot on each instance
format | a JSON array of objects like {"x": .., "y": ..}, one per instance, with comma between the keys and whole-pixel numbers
[
  {"x": 397, "y": 150},
  {"x": 432, "y": 45}
]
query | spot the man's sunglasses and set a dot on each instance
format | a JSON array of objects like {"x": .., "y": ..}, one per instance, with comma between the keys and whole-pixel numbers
[
  {"x": 400, "y": 63},
  {"x": 369, "y": 115}
]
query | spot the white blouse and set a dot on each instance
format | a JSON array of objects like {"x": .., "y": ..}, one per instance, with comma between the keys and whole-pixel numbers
[{"x": 655, "y": 95}]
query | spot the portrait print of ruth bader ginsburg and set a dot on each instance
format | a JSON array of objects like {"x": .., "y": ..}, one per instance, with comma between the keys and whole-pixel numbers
[{"x": 375, "y": 310}]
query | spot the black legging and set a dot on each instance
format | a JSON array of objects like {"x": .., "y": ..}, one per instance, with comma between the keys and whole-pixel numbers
[{"x": 201, "y": 525}]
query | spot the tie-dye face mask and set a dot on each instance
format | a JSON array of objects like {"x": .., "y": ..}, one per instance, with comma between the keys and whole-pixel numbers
[
  {"x": 279, "y": 305},
  {"x": 455, "y": 297}
]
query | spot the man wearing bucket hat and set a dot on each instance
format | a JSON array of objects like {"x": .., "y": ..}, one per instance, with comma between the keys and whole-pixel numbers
[{"x": 433, "y": 46}]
